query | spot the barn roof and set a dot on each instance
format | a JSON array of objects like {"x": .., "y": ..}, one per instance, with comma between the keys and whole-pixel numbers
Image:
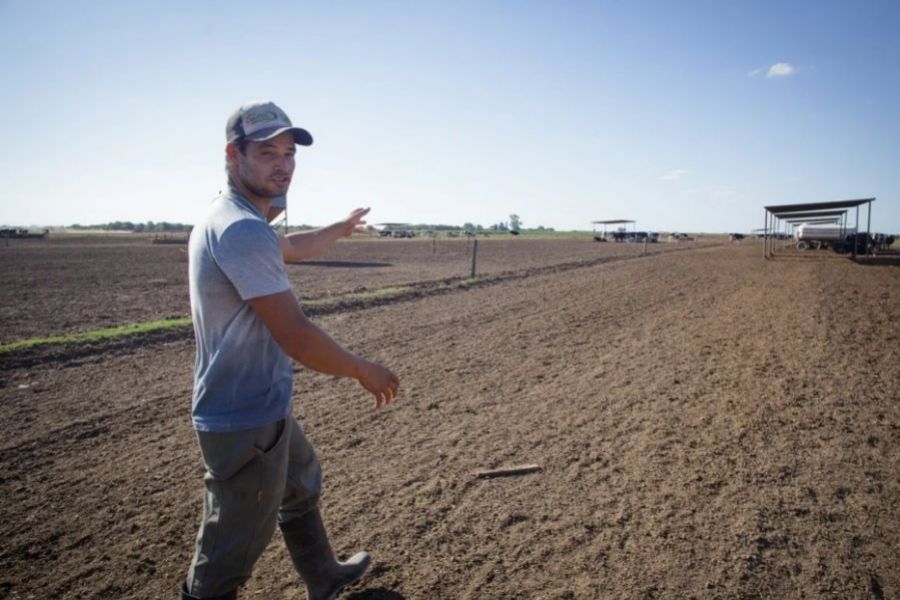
[
  {"x": 817, "y": 206},
  {"x": 811, "y": 214},
  {"x": 805, "y": 216},
  {"x": 613, "y": 222}
]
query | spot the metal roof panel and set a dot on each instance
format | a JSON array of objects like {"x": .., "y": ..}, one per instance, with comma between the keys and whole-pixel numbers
[{"x": 783, "y": 208}]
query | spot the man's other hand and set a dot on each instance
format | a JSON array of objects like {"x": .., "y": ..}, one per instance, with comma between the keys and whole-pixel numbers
[
  {"x": 379, "y": 381},
  {"x": 355, "y": 222}
]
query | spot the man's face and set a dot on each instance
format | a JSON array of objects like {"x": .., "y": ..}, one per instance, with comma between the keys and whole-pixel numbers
[{"x": 267, "y": 167}]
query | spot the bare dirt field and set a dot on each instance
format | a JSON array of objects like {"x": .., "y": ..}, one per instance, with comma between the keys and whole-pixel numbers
[
  {"x": 73, "y": 283},
  {"x": 708, "y": 425}
]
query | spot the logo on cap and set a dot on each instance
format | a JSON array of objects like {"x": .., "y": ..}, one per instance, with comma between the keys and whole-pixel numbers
[
  {"x": 261, "y": 116},
  {"x": 259, "y": 121}
]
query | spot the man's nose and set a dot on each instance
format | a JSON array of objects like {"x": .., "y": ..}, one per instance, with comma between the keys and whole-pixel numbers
[{"x": 286, "y": 163}]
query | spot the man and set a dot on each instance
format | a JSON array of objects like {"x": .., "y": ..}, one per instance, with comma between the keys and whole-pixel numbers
[{"x": 261, "y": 469}]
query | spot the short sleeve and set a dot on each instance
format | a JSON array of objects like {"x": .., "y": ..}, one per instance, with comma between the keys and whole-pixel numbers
[{"x": 249, "y": 254}]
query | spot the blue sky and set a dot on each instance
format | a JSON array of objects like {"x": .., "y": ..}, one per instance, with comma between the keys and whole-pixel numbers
[{"x": 687, "y": 116}]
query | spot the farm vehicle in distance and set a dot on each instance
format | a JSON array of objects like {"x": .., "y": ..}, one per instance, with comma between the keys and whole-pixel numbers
[
  {"x": 841, "y": 240},
  {"x": 397, "y": 233},
  {"x": 21, "y": 233}
]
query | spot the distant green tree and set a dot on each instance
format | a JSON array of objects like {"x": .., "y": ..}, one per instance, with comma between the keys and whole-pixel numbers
[
  {"x": 119, "y": 226},
  {"x": 515, "y": 223}
]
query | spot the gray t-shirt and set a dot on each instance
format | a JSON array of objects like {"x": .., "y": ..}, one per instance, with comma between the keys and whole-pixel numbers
[{"x": 242, "y": 377}]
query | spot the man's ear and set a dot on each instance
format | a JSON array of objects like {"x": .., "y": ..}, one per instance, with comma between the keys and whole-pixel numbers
[{"x": 231, "y": 152}]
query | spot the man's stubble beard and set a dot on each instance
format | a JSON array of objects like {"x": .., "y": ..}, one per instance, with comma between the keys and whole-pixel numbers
[{"x": 258, "y": 191}]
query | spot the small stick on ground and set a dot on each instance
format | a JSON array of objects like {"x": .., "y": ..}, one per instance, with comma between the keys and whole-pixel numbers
[{"x": 506, "y": 471}]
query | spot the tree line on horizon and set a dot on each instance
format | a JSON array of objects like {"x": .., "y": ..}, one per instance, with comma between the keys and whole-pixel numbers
[
  {"x": 149, "y": 226},
  {"x": 514, "y": 224}
]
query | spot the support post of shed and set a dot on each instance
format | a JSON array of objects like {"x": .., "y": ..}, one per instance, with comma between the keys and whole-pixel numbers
[
  {"x": 777, "y": 238},
  {"x": 772, "y": 226},
  {"x": 869, "y": 223}
]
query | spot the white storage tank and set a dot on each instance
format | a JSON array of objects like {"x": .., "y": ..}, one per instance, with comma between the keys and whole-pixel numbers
[{"x": 825, "y": 233}]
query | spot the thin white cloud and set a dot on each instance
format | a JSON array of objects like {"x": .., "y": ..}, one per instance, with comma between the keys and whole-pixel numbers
[
  {"x": 781, "y": 69},
  {"x": 673, "y": 175},
  {"x": 756, "y": 72}
]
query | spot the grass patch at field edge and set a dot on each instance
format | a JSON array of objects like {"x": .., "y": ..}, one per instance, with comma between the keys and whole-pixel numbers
[
  {"x": 380, "y": 293},
  {"x": 96, "y": 335}
]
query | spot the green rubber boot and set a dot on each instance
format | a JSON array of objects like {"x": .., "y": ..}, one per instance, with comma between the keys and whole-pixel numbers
[{"x": 324, "y": 575}]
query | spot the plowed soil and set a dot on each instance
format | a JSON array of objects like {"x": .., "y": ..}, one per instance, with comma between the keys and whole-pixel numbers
[
  {"x": 72, "y": 283},
  {"x": 708, "y": 425}
]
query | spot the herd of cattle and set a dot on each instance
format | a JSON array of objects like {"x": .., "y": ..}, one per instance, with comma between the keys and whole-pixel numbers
[
  {"x": 628, "y": 236},
  {"x": 857, "y": 243}
]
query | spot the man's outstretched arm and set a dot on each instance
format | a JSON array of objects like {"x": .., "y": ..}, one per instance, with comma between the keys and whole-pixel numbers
[
  {"x": 306, "y": 244},
  {"x": 309, "y": 345}
]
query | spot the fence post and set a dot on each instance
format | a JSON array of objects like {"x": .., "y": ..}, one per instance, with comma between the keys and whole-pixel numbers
[{"x": 474, "y": 256}]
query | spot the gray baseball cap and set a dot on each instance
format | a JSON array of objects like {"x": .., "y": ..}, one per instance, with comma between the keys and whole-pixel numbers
[{"x": 259, "y": 121}]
